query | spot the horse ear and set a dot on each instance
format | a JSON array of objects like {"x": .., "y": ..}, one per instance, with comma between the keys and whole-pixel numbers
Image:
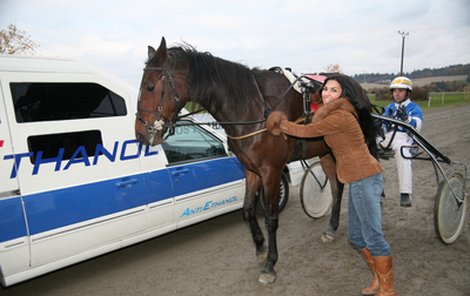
[
  {"x": 162, "y": 51},
  {"x": 162, "y": 44},
  {"x": 150, "y": 52}
]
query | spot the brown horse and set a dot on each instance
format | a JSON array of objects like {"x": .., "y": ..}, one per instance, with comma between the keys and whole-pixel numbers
[{"x": 239, "y": 98}]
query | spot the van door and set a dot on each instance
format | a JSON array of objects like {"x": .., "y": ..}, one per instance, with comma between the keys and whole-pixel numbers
[
  {"x": 161, "y": 204},
  {"x": 207, "y": 181},
  {"x": 77, "y": 163},
  {"x": 14, "y": 242}
]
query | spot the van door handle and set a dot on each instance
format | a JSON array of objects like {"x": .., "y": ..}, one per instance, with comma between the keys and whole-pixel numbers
[
  {"x": 126, "y": 183},
  {"x": 179, "y": 172}
]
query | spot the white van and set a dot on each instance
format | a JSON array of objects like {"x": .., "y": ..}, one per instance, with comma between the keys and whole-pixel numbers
[{"x": 74, "y": 182}]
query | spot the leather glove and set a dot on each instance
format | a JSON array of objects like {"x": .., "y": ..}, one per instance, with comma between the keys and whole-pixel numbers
[{"x": 401, "y": 114}]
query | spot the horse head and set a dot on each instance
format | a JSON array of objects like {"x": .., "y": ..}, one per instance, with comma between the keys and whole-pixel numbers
[{"x": 162, "y": 94}]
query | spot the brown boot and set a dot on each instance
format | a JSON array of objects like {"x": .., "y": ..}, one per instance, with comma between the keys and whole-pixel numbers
[
  {"x": 383, "y": 267},
  {"x": 374, "y": 285}
]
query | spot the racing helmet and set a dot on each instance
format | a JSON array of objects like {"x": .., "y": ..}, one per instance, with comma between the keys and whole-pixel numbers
[{"x": 401, "y": 82}]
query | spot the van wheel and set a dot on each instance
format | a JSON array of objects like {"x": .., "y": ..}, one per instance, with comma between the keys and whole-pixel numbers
[{"x": 283, "y": 192}]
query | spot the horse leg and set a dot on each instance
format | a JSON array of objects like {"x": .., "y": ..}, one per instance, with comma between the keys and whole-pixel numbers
[
  {"x": 329, "y": 167},
  {"x": 271, "y": 194},
  {"x": 253, "y": 182}
]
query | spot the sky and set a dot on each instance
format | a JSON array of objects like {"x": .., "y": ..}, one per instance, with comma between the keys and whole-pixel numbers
[{"x": 305, "y": 35}]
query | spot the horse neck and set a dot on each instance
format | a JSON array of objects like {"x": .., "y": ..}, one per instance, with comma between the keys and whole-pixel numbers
[
  {"x": 227, "y": 104},
  {"x": 233, "y": 121}
]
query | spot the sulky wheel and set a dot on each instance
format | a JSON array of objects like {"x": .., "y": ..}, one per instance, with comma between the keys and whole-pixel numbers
[
  {"x": 449, "y": 217},
  {"x": 315, "y": 192}
]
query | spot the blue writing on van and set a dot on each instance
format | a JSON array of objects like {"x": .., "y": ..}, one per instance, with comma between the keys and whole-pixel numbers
[
  {"x": 80, "y": 156},
  {"x": 208, "y": 206}
]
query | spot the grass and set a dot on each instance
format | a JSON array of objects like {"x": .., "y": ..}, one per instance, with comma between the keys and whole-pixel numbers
[{"x": 438, "y": 100}]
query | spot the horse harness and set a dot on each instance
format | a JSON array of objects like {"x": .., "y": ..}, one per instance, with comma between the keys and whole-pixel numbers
[{"x": 160, "y": 121}]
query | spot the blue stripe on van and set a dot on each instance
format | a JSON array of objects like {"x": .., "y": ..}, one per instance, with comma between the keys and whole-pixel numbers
[
  {"x": 207, "y": 174},
  {"x": 58, "y": 208},
  {"x": 12, "y": 224}
]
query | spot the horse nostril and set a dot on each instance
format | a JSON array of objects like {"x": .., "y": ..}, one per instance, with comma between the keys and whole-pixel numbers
[{"x": 150, "y": 88}]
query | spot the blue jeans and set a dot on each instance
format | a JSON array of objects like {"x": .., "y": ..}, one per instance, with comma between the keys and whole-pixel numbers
[{"x": 365, "y": 216}]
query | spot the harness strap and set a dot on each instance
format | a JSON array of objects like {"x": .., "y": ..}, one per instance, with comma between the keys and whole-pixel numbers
[
  {"x": 247, "y": 135},
  {"x": 300, "y": 119}
]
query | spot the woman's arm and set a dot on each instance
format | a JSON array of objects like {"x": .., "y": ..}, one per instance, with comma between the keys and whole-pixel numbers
[{"x": 277, "y": 122}]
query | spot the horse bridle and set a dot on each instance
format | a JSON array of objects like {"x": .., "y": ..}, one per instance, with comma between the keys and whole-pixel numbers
[{"x": 161, "y": 121}]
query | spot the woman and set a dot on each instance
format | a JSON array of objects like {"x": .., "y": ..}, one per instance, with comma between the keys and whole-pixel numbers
[{"x": 347, "y": 126}]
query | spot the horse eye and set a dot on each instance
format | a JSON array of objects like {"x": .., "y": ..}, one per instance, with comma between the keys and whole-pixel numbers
[{"x": 150, "y": 87}]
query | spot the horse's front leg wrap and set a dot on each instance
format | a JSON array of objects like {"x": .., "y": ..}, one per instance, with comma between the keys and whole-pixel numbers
[
  {"x": 249, "y": 211},
  {"x": 272, "y": 224},
  {"x": 249, "y": 215},
  {"x": 268, "y": 274},
  {"x": 335, "y": 210}
]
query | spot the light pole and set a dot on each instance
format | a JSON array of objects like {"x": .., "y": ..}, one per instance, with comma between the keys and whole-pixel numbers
[{"x": 403, "y": 35}]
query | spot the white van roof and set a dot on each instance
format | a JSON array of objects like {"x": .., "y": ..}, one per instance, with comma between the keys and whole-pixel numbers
[
  {"x": 12, "y": 63},
  {"x": 34, "y": 64}
]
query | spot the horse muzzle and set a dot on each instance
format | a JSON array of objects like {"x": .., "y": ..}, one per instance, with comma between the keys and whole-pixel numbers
[{"x": 151, "y": 134}]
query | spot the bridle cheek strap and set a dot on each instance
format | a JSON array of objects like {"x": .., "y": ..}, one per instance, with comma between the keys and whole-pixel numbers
[{"x": 160, "y": 121}]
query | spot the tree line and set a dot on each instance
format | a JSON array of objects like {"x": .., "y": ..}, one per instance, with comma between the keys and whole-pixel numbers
[
  {"x": 420, "y": 93},
  {"x": 453, "y": 70}
]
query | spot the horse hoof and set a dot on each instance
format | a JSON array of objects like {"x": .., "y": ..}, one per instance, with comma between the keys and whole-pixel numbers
[
  {"x": 267, "y": 278},
  {"x": 327, "y": 237}
]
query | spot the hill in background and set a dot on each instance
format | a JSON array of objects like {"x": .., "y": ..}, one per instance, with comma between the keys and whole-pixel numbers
[
  {"x": 418, "y": 81},
  {"x": 419, "y": 77}
]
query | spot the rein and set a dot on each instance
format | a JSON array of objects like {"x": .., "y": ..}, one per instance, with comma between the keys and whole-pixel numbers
[
  {"x": 265, "y": 109},
  {"x": 225, "y": 123},
  {"x": 219, "y": 122},
  {"x": 300, "y": 119}
]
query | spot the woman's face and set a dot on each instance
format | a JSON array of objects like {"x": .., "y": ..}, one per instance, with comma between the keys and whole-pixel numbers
[{"x": 331, "y": 91}]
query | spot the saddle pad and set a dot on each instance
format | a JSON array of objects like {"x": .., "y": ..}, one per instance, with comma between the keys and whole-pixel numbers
[
  {"x": 296, "y": 82},
  {"x": 316, "y": 77},
  {"x": 293, "y": 80}
]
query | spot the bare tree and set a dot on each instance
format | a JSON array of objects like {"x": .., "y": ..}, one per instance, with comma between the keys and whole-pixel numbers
[
  {"x": 334, "y": 68},
  {"x": 15, "y": 41}
]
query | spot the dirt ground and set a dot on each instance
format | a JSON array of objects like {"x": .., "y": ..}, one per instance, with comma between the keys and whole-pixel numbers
[{"x": 217, "y": 257}]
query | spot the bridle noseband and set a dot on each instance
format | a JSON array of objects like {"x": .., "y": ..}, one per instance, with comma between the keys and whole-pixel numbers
[{"x": 161, "y": 121}]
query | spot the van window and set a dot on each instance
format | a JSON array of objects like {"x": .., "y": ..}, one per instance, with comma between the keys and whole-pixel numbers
[
  {"x": 34, "y": 101},
  {"x": 191, "y": 143},
  {"x": 65, "y": 145}
]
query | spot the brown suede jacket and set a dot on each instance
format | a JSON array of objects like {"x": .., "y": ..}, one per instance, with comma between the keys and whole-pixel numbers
[{"x": 337, "y": 122}]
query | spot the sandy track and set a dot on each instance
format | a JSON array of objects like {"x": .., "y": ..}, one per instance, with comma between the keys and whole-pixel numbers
[{"x": 217, "y": 257}]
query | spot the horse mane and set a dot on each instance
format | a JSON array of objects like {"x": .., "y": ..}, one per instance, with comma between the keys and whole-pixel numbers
[{"x": 213, "y": 81}]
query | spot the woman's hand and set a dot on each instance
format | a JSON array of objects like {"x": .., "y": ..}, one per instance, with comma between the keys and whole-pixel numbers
[{"x": 273, "y": 122}]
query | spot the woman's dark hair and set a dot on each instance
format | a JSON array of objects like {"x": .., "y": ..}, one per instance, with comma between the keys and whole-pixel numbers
[{"x": 353, "y": 91}]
